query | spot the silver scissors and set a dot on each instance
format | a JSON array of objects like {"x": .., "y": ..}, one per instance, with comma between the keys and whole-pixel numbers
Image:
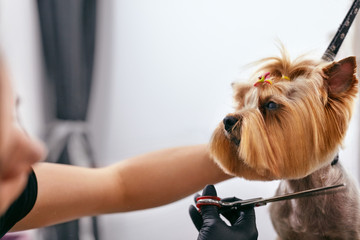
[{"x": 257, "y": 202}]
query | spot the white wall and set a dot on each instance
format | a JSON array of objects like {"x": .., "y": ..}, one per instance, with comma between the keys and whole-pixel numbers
[
  {"x": 163, "y": 79},
  {"x": 169, "y": 78},
  {"x": 19, "y": 44}
]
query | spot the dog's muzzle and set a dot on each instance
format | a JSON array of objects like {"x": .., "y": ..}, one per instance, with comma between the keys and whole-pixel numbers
[{"x": 229, "y": 125}]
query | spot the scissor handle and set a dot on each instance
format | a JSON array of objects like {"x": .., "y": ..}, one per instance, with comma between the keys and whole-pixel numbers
[{"x": 208, "y": 200}]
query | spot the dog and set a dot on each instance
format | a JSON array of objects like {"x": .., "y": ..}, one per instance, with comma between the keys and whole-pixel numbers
[{"x": 289, "y": 124}]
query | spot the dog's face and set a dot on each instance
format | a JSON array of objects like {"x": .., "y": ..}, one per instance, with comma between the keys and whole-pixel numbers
[{"x": 289, "y": 125}]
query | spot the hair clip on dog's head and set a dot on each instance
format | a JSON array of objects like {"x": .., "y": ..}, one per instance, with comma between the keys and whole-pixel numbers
[
  {"x": 285, "y": 77},
  {"x": 263, "y": 78}
]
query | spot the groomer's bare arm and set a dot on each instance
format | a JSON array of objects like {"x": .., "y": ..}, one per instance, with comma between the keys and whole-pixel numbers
[{"x": 154, "y": 179}]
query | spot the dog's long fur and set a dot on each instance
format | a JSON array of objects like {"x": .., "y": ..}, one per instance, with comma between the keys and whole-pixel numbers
[{"x": 295, "y": 141}]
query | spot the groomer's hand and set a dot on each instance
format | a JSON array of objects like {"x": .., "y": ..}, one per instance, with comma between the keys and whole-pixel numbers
[{"x": 212, "y": 227}]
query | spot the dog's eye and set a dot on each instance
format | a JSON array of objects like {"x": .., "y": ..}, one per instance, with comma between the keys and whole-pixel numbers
[{"x": 271, "y": 105}]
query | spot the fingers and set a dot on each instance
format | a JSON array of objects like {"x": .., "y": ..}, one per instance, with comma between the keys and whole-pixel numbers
[
  {"x": 211, "y": 226},
  {"x": 230, "y": 199},
  {"x": 196, "y": 217},
  {"x": 231, "y": 215},
  {"x": 196, "y": 196},
  {"x": 209, "y": 190},
  {"x": 246, "y": 215},
  {"x": 247, "y": 221},
  {"x": 209, "y": 211}
]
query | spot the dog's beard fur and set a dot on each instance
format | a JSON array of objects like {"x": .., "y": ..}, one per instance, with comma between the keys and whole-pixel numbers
[{"x": 301, "y": 134}]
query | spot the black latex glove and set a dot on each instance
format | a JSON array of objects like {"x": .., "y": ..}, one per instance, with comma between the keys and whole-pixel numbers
[{"x": 212, "y": 227}]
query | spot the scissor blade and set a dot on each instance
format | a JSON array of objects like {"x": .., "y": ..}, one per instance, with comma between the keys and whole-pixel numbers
[{"x": 304, "y": 193}]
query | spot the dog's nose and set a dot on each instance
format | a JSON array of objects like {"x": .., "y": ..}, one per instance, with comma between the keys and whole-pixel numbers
[{"x": 229, "y": 123}]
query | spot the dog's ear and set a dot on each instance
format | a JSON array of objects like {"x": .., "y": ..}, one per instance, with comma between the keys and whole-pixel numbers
[{"x": 340, "y": 76}]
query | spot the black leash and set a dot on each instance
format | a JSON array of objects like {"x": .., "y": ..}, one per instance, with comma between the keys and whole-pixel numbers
[
  {"x": 340, "y": 35},
  {"x": 338, "y": 39}
]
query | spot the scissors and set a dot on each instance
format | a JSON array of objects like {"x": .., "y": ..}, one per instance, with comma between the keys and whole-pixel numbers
[{"x": 257, "y": 202}]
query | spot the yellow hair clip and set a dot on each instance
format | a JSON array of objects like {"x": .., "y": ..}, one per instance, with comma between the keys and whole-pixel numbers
[
  {"x": 269, "y": 81},
  {"x": 285, "y": 77}
]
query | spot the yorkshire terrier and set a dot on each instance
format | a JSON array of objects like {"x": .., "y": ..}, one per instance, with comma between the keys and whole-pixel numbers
[{"x": 289, "y": 124}]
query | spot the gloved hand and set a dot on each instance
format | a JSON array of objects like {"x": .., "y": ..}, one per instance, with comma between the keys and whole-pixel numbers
[{"x": 212, "y": 227}]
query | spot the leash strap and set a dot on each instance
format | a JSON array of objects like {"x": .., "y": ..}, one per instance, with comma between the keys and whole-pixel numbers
[{"x": 340, "y": 35}]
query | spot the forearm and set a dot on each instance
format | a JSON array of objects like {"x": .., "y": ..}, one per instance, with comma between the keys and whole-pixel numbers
[
  {"x": 165, "y": 176},
  {"x": 69, "y": 192}
]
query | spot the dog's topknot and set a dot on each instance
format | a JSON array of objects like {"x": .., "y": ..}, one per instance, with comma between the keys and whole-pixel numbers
[{"x": 282, "y": 65}]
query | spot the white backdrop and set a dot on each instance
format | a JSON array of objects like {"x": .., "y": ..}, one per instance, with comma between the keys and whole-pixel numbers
[
  {"x": 163, "y": 78},
  {"x": 171, "y": 65}
]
